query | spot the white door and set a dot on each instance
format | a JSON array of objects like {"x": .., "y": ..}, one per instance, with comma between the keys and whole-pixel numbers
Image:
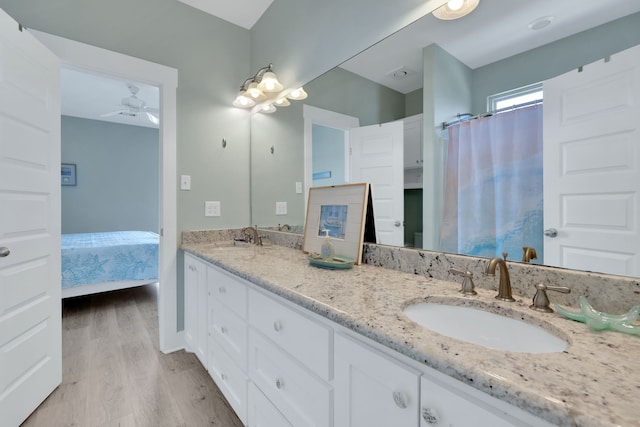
[
  {"x": 30, "y": 315},
  {"x": 377, "y": 158},
  {"x": 592, "y": 166}
]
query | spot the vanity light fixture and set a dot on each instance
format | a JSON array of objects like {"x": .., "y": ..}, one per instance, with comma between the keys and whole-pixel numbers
[
  {"x": 264, "y": 89},
  {"x": 455, "y": 9}
]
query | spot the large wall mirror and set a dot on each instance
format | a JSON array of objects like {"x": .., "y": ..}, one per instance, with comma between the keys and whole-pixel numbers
[{"x": 491, "y": 51}]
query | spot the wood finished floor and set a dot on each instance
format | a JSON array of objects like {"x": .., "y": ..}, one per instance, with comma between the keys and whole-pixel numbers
[{"x": 113, "y": 373}]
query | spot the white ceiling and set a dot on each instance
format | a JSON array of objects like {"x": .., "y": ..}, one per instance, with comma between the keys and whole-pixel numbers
[
  {"x": 495, "y": 30},
  {"x": 244, "y": 13},
  {"x": 89, "y": 96}
]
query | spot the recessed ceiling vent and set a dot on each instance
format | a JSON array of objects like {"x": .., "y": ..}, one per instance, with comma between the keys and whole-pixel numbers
[{"x": 401, "y": 73}]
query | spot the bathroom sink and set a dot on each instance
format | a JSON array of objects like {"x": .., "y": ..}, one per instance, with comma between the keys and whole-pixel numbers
[{"x": 484, "y": 328}]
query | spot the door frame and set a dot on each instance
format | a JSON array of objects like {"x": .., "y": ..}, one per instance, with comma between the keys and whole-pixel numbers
[
  {"x": 319, "y": 116},
  {"x": 101, "y": 61}
]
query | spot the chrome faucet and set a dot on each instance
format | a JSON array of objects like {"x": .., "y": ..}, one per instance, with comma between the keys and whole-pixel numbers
[
  {"x": 252, "y": 235},
  {"x": 504, "y": 286}
]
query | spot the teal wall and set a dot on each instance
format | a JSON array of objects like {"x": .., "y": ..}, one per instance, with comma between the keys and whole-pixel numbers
[
  {"x": 117, "y": 176},
  {"x": 328, "y": 155}
]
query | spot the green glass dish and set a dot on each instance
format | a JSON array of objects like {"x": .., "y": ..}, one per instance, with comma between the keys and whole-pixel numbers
[
  {"x": 337, "y": 263},
  {"x": 599, "y": 321}
]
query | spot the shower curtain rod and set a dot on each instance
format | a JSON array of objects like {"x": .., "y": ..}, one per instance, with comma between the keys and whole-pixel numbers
[{"x": 465, "y": 117}]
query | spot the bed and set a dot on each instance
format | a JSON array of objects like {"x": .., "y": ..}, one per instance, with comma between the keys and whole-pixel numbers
[{"x": 99, "y": 262}]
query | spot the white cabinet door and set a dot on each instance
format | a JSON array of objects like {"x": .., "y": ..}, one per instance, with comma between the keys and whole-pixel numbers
[
  {"x": 195, "y": 307},
  {"x": 413, "y": 142},
  {"x": 372, "y": 389},
  {"x": 262, "y": 413}
]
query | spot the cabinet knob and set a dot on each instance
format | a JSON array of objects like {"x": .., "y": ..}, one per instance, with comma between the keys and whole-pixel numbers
[
  {"x": 279, "y": 383},
  {"x": 222, "y": 290},
  {"x": 277, "y": 326},
  {"x": 430, "y": 416},
  {"x": 223, "y": 329},
  {"x": 401, "y": 399},
  {"x": 4, "y": 252},
  {"x": 223, "y": 376}
]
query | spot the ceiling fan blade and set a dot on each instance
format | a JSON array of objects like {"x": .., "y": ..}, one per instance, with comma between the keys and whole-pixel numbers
[
  {"x": 114, "y": 113},
  {"x": 153, "y": 119}
]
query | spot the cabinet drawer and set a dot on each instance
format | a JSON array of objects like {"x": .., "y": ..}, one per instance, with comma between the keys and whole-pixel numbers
[
  {"x": 303, "y": 399},
  {"x": 230, "y": 379},
  {"x": 229, "y": 331},
  {"x": 228, "y": 290},
  {"x": 304, "y": 338},
  {"x": 372, "y": 389},
  {"x": 262, "y": 413}
]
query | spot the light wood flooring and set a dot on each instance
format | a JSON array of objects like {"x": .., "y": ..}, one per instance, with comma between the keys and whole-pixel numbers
[{"x": 113, "y": 373}]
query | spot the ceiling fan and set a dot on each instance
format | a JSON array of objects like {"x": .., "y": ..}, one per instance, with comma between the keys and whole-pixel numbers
[{"x": 133, "y": 106}]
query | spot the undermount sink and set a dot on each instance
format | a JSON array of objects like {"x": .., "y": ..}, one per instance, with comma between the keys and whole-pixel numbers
[{"x": 484, "y": 328}]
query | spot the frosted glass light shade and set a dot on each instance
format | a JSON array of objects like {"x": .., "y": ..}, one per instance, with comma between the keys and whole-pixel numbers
[
  {"x": 270, "y": 83},
  {"x": 282, "y": 102},
  {"x": 255, "y": 93},
  {"x": 243, "y": 101},
  {"x": 297, "y": 94},
  {"x": 268, "y": 109}
]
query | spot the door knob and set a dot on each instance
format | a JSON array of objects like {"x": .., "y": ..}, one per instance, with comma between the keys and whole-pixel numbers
[
  {"x": 397, "y": 223},
  {"x": 4, "y": 252},
  {"x": 551, "y": 232}
]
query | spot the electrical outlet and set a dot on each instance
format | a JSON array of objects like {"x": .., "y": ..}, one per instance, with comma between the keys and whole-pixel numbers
[
  {"x": 281, "y": 208},
  {"x": 212, "y": 208},
  {"x": 185, "y": 182}
]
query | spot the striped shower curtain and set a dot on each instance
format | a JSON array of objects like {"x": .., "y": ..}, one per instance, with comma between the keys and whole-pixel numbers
[{"x": 493, "y": 185}]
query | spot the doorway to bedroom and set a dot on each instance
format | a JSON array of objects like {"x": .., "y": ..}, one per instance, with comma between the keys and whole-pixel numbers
[{"x": 110, "y": 149}]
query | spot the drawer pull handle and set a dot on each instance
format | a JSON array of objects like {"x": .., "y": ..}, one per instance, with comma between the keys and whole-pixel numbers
[
  {"x": 277, "y": 326},
  {"x": 223, "y": 330},
  {"x": 222, "y": 290},
  {"x": 430, "y": 416},
  {"x": 401, "y": 399},
  {"x": 279, "y": 383}
]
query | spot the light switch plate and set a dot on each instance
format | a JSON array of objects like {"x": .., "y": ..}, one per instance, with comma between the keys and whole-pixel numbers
[
  {"x": 185, "y": 182},
  {"x": 212, "y": 208},
  {"x": 281, "y": 208},
  {"x": 298, "y": 187}
]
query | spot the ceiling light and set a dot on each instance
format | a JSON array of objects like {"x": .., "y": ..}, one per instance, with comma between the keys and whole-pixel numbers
[
  {"x": 264, "y": 90},
  {"x": 455, "y": 9}
]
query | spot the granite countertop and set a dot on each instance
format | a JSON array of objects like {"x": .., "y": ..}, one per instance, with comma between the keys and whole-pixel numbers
[{"x": 595, "y": 382}]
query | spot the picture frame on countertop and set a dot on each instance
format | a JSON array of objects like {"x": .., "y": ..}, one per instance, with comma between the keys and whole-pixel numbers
[{"x": 342, "y": 211}]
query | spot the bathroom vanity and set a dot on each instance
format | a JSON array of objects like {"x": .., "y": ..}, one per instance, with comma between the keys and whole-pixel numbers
[{"x": 293, "y": 345}]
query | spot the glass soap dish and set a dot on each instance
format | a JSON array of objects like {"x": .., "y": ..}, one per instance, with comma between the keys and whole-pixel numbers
[{"x": 598, "y": 320}]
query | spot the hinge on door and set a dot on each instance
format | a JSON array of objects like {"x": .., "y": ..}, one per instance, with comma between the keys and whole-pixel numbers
[
  {"x": 161, "y": 232},
  {"x": 20, "y": 27}
]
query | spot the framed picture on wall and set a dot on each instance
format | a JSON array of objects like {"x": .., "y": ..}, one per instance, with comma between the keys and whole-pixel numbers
[
  {"x": 340, "y": 210},
  {"x": 68, "y": 174}
]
